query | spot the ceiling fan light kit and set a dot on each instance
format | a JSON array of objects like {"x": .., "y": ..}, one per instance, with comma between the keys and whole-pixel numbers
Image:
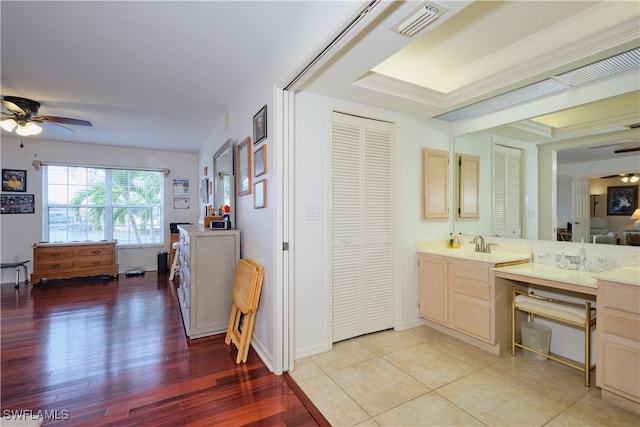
[
  {"x": 8, "y": 124},
  {"x": 23, "y": 118},
  {"x": 28, "y": 129}
]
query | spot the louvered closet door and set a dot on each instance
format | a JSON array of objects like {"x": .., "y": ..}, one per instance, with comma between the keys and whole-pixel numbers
[
  {"x": 507, "y": 191},
  {"x": 361, "y": 226}
]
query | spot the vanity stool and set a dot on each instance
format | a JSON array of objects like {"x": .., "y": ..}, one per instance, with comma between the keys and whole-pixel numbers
[
  {"x": 17, "y": 266},
  {"x": 175, "y": 266},
  {"x": 578, "y": 315}
]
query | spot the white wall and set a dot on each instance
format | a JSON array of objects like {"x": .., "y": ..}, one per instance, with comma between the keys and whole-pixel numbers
[
  {"x": 311, "y": 252},
  {"x": 258, "y": 226},
  {"x": 20, "y": 232}
]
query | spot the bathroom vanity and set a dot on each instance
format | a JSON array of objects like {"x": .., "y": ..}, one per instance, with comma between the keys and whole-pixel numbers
[{"x": 458, "y": 294}]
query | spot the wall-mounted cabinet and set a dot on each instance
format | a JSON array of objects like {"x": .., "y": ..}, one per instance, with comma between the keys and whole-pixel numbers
[
  {"x": 435, "y": 184},
  {"x": 467, "y": 186}
]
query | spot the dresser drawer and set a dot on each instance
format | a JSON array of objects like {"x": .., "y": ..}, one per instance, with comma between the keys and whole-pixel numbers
[
  {"x": 53, "y": 265},
  {"x": 95, "y": 261},
  {"x": 95, "y": 251},
  {"x": 49, "y": 253}
]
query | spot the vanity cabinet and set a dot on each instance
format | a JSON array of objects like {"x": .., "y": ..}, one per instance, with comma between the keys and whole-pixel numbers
[
  {"x": 208, "y": 261},
  {"x": 463, "y": 297},
  {"x": 618, "y": 340}
]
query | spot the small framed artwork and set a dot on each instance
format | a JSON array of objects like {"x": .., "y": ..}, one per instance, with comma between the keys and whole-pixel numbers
[
  {"x": 260, "y": 194},
  {"x": 260, "y": 125},
  {"x": 180, "y": 187},
  {"x": 181, "y": 203},
  {"x": 243, "y": 167},
  {"x": 14, "y": 180},
  {"x": 622, "y": 200},
  {"x": 260, "y": 161},
  {"x": 17, "y": 204}
]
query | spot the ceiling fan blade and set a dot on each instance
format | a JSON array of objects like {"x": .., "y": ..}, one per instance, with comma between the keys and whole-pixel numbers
[
  {"x": 627, "y": 150},
  {"x": 63, "y": 120},
  {"x": 14, "y": 108},
  {"x": 55, "y": 127}
]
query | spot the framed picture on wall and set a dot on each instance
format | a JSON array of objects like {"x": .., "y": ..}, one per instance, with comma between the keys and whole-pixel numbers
[
  {"x": 17, "y": 204},
  {"x": 622, "y": 200},
  {"x": 260, "y": 125},
  {"x": 14, "y": 180},
  {"x": 260, "y": 161},
  {"x": 260, "y": 194}
]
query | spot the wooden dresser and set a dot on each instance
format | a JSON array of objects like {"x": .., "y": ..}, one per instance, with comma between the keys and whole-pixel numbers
[
  {"x": 78, "y": 259},
  {"x": 208, "y": 261}
]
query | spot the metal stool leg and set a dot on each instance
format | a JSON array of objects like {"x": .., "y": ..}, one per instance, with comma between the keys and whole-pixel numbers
[{"x": 17, "y": 277}]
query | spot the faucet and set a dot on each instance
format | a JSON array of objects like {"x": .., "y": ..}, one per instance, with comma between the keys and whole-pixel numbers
[
  {"x": 479, "y": 242},
  {"x": 481, "y": 246}
]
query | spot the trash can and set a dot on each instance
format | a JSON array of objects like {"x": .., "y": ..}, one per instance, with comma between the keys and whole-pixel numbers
[
  {"x": 536, "y": 336},
  {"x": 163, "y": 262}
]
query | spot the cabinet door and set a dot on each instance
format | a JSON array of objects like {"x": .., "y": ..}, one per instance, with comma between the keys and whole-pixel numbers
[
  {"x": 471, "y": 316},
  {"x": 468, "y": 176},
  {"x": 435, "y": 188},
  {"x": 432, "y": 288}
]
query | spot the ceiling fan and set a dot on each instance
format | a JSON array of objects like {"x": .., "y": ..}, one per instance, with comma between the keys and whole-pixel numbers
[
  {"x": 626, "y": 146},
  {"x": 24, "y": 119}
]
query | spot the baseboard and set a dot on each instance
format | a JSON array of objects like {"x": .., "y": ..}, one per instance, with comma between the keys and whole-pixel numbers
[
  {"x": 310, "y": 351},
  {"x": 266, "y": 357}
]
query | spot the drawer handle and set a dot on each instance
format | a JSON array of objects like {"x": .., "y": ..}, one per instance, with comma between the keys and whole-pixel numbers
[
  {"x": 55, "y": 265},
  {"x": 55, "y": 253},
  {"x": 96, "y": 263},
  {"x": 96, "y": 251}
]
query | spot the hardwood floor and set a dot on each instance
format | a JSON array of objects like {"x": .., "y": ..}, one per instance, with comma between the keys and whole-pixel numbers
[{"x": 114, "y": 352}]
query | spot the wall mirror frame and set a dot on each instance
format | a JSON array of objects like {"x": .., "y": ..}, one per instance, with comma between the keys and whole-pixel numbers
[
  {"x": 224, "y": 192},
  {"x": 243, "y": 171}
]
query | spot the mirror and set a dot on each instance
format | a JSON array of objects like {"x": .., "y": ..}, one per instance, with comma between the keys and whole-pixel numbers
[
  {"x": 224, "y": 180},
  {"x": 586, "y": 146}
]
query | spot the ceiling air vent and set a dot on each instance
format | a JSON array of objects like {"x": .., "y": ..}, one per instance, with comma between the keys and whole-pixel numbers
[{"x": 417, "y": 20}]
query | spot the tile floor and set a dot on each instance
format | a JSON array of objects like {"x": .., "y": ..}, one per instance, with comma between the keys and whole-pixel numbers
[{"x": 422, "y": 377}]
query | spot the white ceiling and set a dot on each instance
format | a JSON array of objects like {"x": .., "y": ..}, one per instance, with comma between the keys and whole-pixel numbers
[{"x": 161, "y": 74}]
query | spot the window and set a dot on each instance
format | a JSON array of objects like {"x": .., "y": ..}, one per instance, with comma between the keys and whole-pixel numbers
[{"x": 90, "y": 203}]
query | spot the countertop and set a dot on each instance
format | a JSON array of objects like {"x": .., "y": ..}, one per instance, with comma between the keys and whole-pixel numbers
[
  {"x": 499, "y": 255},
  {"x": 562, "y": 278},
  {"x": 200, "y": 230}
]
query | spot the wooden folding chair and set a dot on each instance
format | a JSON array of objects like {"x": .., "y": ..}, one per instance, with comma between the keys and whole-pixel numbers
[{"x": 245, "y": 298}]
